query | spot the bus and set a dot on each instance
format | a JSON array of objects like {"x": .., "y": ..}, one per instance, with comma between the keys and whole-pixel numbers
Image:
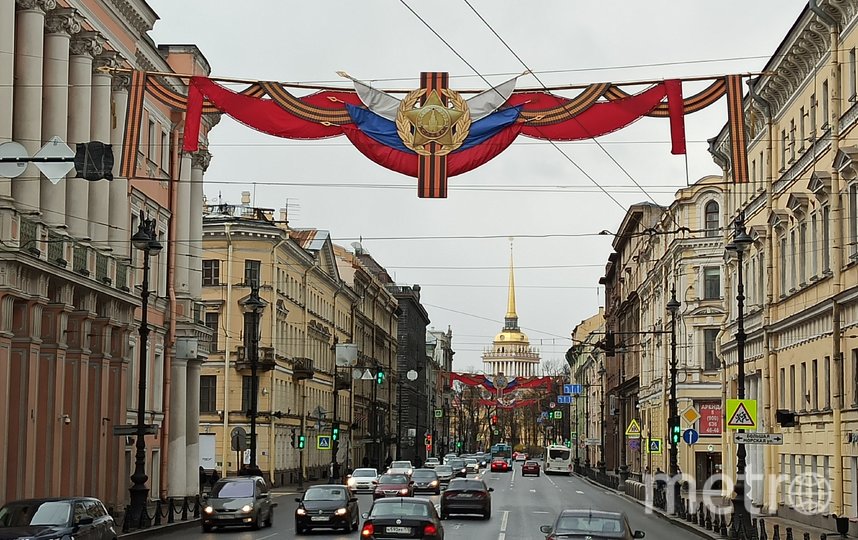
[
  {"x": 502, "y": 450},
  {"x": 558, "y": 459}
]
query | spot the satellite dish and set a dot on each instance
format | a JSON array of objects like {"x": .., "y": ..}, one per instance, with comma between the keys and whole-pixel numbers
[
  {"x": 15, "y": 151},
  {"x": 411, "y": 375}
]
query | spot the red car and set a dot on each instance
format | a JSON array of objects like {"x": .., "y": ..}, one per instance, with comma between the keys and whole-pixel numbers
[
  {"x": 499, "y": 465},
  {"x": 393, "y": 485},
  {"x": 530, "y": 467}
]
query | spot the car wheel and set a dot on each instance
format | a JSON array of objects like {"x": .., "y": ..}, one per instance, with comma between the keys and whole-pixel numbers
[
  {"x": 444, "y": 514},
  {"x": 207, "y": 527},
  {"x": 255, "y": 524},
  {"x": 487, "y": 514},
  {"x": 356, "y": 524},
  {"x": 298, "y": 528},
  {"x": 270, "y": 521}
]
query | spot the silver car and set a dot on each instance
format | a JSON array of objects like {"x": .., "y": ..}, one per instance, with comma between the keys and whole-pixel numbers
[
  {"x": 472, "y": 465},
  {"x": 445, "y": 474},
  {"x": 243, "y": 500},
  {"x": 363, "y": 479}
]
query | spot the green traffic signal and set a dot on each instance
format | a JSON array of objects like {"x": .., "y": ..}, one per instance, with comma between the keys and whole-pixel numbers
[
  {"x": 676, "y": 431},
  {"x": 458, "y": 444},
  {"x": 302, "y": 441},
  {"x": 379, "y": 377},
  {"x": 335, "y": 434}
]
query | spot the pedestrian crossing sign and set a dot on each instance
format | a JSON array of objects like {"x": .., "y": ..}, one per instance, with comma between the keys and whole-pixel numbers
[
  {"x": 654, "y": 446},
  {"x": 634, "y": 429},
  {"x": 323, "y": 442},
  {"x": 741, "y": 413}
]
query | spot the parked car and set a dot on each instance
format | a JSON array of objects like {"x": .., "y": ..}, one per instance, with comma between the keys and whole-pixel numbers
[
  {"x": 431, "y": 462},
  {"x": 363, "y": 479},
  {"x": 467, "y": 496},
  {"x": 75, "y": 517},
  {"x": 393, "y": 485},
  {"x": 460, "y": 468},
  {"x": 327, "y": 507},
  {"x": 530, "y": 467},
  {"x": 400, "y": 467},
  {"x": 445, "y": 474},
  {"x": 243, "y": 500},
  {"x": 402, "y": 518},
  {"x": 426, "y": 480},
  {"x": 499, "y": 465},
  {"x": 586, "y": 523}
]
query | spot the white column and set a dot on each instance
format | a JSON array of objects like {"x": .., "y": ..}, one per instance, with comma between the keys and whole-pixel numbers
[
  {"x": 182, "y": 217},
  {"x": 177, "y": 459},
  {"x": 119, "y": 213},
  {"x": 192, "y": 414},
  {"x": 84, "y": 47},
  {"x": 7, "y": 80},
  {"x": 27, "y": 100},
  {"x": 99, "y": 190},
  {"x": 200, "y": 162},
  {"x": 60, "y": 23}
]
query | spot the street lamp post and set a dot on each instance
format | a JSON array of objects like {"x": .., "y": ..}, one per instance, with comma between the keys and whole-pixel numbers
[
  {"x": 253, "y": 307},
  {"x": 145, "y": 239},
  {"x": 741, "y": 528},
  {"x": 586, "y": 423},
  {"x": 673, "y": 308},
  {"x": 602, "y": 465}
]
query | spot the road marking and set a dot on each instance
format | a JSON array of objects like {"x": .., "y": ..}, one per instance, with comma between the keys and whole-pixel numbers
[
  {"x": 533, "y": 491},
  {"x": 504, "y": 520},
  {"x": 540, "y": 512},
  {"x": 579, "y": 492},
  {"x": 269, "y": 536}
]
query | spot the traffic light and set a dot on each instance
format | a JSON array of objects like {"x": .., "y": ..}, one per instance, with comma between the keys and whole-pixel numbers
[
  {"x": 610, "y": 344},
  {"x": 675, "y": 430},
  {"x": 379, "y": 377},
  {"x": 335, "y": 433},
  {"x": 428, "y": 440},
  {"x": 302, "y": 442},
  {"x": 293, "y": 438},
  {"x": 494, "y": 420},
  {"x": 568, "y": 443},
  {"x": 458, "y": 444}
]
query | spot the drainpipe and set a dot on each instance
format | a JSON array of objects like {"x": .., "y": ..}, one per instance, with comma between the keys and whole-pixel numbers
[
  {"x": 272, "y": 449},
  {"x": 228, "y": 323},
  {"x": 770, "y": 352},
  {"x": 837, "y": 262}
]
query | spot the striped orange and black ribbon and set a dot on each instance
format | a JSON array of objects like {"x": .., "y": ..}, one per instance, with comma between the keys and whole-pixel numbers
[
  {"x": 432, "y": 169},
  {"x": 736, "y": 119},
  {"x": 133, "y": 117}
]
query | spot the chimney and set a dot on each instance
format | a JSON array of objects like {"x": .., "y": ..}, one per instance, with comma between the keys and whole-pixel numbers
[
  {"x": 284, "y": 215},
  {"x": 245, "y": 198}
]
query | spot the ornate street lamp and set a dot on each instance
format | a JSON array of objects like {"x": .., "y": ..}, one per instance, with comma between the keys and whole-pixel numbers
[
  {"x": 741, "y": 528},
  {"x": 253, "y": 307},
  {"x": 146, "y": 240},
  {"x": 673, "y": 308}
]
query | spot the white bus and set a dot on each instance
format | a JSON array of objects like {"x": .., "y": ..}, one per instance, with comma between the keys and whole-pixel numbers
[{"x": 558, "y": 460}]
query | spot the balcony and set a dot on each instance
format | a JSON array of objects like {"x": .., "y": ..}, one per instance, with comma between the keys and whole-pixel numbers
[
  {"x": 302, "y": 369},
  {"x": 265, "y": 361}
]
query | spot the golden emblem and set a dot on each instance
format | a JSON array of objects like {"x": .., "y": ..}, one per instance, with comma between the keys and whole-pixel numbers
[{"x": 448, "y": 127}]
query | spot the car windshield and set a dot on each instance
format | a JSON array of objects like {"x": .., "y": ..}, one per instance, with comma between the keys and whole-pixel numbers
[
  {"x": 393, "y": 479},
  {"x": 26, "y": 514},
  {"x": 396, "y": 508},
  {"x": 325, "y": 494},
  {"x": 365, "y": 473},
  {"x": 457, "y": 463},
  {"x": 554, "y": 453},
  {"x": 530, "y": 463},
  {"x": 607, "y": 527},
  {"x": 425, "y": 474},
  {"x": 441, "y": 469},
  {"x": 241, "y": 489},
  {"x": 400, "y": 465},
  {"x": 466, "y": 484},
  {"x": 432, "y": 460},
  {"x": 470, "y": 460}
]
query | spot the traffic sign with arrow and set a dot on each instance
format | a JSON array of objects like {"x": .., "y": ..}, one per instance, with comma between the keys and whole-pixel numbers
[{"x": 759, "y": 438}]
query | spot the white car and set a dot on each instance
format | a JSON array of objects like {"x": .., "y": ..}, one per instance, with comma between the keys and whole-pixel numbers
[
  {"x": 400, "y": 467},
  {"x": 432, "y": 462},
  {"x": 364, "y": 479},
  {"x": 472, "y": 464}
]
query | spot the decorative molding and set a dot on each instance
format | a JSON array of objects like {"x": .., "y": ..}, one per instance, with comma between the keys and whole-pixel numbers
[
  {"x": 201, "y": 160},
  {"x": 63, "y": 21},
  {"x": 820, "y": 185},
  {"x": 134, "y": 16},
  {"x": 845, "y": 162},
  {"x": 107, "y": 59},
  {"x": 121, "y": 82},
  {"x": 87, "y": 43},
  {"x": 44, "y": 5},
  {"x": 797, "y": 204}
]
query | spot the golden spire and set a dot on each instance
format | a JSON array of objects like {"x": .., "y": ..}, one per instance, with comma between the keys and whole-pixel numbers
[{"x": 511, "y": 319}]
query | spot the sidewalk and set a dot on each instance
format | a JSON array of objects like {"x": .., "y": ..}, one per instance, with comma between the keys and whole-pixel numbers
[{"x": 767, "y": 525}]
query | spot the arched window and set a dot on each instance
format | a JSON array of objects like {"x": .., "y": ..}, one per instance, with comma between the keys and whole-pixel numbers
[{"x": 710, "y": 212}]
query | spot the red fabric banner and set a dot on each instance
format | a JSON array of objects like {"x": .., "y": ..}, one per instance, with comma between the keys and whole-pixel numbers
[
  {"x": 676, "y": 108},
  {"x": 508, "y": 405}
]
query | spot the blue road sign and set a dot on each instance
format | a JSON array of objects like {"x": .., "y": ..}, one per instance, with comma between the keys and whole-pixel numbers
[
  {"x": 564, "y": 400},
  {"x": 690, "y": 436},
  {"x": 572, "y": 389}
]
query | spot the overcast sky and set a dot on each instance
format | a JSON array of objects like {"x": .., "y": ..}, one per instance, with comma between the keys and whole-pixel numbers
[{"x": 457, "y": 249}]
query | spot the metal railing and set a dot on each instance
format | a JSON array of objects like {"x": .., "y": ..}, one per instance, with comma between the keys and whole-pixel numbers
[{"x": 163, "y": 512}]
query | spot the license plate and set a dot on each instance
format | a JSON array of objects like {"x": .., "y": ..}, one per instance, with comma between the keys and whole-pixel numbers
[
  {"x": 397, "y": 530},
  {"x": 464, "y": 496},
  {"x": 319, "y": 518}
]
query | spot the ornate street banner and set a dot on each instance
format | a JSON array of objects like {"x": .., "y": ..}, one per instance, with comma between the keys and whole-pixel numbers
[
  {"x": 499, "y": 384},
  {"x": 434, "y": 132}
]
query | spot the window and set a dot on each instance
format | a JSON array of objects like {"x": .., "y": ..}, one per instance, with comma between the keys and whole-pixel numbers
[
  {"x": 711, "y": 217},
  {"x": 213, "y": 322},
  {"x": 251, "y": 273},
  {"x": 802, "y": 252},
  {"x": 801, "y": 129},
  {"x": 211, "y": 272},
  {"x": 828, "y": 389},
  {"x": 208, "y": 393},
  {"x": 783, "y": 149},
  {"x": 792, "y": 387},
  {"x": 854, "y": 376},
  {"x": 853, "y": 218},
  {"x": 805, "y": 398},
  {"x": 814, "y": 384},
  {"x": 825, "y": 104},
  {"x": 826, "y": 238},
  {"x": 852, "y": 74},
  {"x": 814, "y": 245},
  {"x": 792, "y": 267},
  {"x": 165, "y": 152},
  {"x": 783, "y": 388},
  {"x": 813, "y": 117},
  {"x": 712, "y": 283},
  {"x": 791, "y": 141},
  {"x": 710, "y": 359},
  {"x": 246, "y": 392},
  {"x": 783, "y": 253},
  {"x": 153, "y": 142}
]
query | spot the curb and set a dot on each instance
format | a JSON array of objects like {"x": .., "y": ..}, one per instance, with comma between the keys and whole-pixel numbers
[{"x": 160, "y": 529}]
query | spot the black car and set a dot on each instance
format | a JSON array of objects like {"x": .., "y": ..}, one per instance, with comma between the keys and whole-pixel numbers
[
  {"x": 327, "y": 507},
  {"x": 243, "y": 500},
  {"x": 467, "y": 496},
  {"x": 592, "y": 525},
  {"x": 426, "y": 480},
  {"x": 460, "y": 468},
  {"x": 77, "y": 517},
  {"x": 401, "y": 517}
]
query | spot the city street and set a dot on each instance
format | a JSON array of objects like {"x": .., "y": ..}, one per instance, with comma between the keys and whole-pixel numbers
[{"x": 519, "y": 507}]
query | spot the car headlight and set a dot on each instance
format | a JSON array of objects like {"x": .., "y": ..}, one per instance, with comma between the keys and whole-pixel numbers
[
  {"x": 410, "y": 471},
  {"x": 341, "y": 511},
  {"x": 208, "y": 510},
  {"x": 433, "y": 483},
  {"x": 465, "y": 470},
  {"x": 246, "y": 508},
  {"x": 351, "y": 482},
  {"x": 404, "y": 491},
  {"x": 301, "y": 511}
]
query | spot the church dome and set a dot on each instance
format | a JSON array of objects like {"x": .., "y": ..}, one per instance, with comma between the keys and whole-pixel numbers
[{"x": 515, "y": 337}]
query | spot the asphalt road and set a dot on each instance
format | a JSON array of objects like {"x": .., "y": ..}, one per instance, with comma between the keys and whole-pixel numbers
[{"x": 519, "y": 507}]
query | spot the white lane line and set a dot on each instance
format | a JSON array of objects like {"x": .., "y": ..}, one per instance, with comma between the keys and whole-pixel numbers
[
  {"x": 539, "y": 512},
  {"x": 579, "y": 492},
  {"x": 504, "y": 519},
  {"x": 502, "y": 536},
  {"x": 269, "y": 536}
]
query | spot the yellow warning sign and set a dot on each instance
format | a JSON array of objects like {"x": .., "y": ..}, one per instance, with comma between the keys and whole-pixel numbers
[
  {"x": 634, "y": 429},
  {"x": 741, "y": 414}
]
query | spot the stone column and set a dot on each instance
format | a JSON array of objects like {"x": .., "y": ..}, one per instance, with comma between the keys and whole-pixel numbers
[
  {"x": 182, "y": 216},
  {"x": 27, "y": 100},
  {"x": 177, "y": 439},
  {"x": 119, "y": 213},
  {"x": 200, "y": 162},
  {"x": 7, "y": 80},
  {"x": 99, "y": 190},
  {"x": 193, "y": 428},
  {"x": 84, "y": 47},
  {"x": 60, "y": 24}
]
